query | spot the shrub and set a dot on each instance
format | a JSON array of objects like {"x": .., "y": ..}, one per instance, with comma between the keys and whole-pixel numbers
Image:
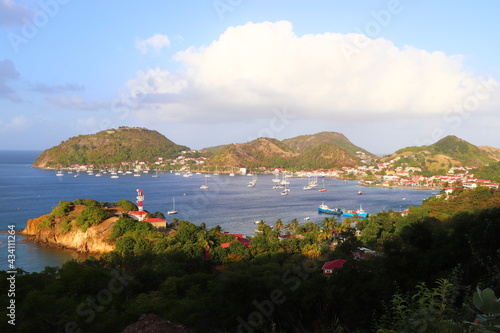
[
  {"x": 48, "y": 221},
  {"x": 91, "y": 215},
  {"x": 127, "y": 205},
  {"x": 63, "y": 209}
]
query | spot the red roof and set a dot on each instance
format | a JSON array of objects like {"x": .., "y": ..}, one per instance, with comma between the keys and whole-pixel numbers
[
  {"x": 154, "y": 219},
  {"x": 138, "y": 213},
  {"x": 334, "y": 264}
]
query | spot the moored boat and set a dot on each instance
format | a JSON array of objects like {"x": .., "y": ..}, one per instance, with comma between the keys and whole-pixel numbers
[
  {"x": 361, "y": 213},
  {"x": 327, "y": 210}
]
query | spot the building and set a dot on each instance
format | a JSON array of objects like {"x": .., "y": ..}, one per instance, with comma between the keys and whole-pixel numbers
[
  {"x": 330, "y": 266},
  {"x": 157, "y": 222}
]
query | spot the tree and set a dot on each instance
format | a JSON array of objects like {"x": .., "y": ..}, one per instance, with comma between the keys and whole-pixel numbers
[{"x": 91, "y": 215}]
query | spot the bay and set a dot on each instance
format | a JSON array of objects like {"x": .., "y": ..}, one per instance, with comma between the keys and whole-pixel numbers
[{"x": 29, "y": 193}]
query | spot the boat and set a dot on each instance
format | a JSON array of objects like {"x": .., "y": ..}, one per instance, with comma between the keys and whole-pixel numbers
[
  {"x": 253, "y": 182},
  {"x": 204, "y": 186},
  {"x": 323, "y": 189},
  {"x": 361, "y": 213},
  {"x": 327, "y": 210},
  {"x": 359, "y": 192},
  {"x": 231, "y": 174},
  {"x": 115, "y": 176},
  {"x": 276, "y": 179},
  {"x": 173, "y": 211},
  {"x": 59, "y": 173}
]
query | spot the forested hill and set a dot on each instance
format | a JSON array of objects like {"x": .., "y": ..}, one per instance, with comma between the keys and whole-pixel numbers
[
  {"x": 110, "y": 146},
  {"x": 445, "y": 153},
  {"x": 322, "y": 150},
  {"x": 304, "y": 143}
]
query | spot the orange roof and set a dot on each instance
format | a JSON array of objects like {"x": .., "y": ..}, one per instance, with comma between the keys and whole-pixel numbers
[{"x": 154, "y": 219}]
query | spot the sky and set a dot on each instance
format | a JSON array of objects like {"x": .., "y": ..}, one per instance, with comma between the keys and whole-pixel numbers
[{"x": 386, "y": 74}]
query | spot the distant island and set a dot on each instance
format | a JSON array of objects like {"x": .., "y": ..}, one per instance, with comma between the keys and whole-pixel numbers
[{"x": 330, "y": 153}]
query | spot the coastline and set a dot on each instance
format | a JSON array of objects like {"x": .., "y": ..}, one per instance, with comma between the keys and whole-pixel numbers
[{"x": 420, "y": 188}]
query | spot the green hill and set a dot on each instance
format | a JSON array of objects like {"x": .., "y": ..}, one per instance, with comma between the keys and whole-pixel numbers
[
  {"x": 260, "y": 152},
  {"x": 321, "y": 151},
  {"x": 110, "y": 146},
  {"x": 304, "y": 143},
  {"x": 445, "y": 153}
]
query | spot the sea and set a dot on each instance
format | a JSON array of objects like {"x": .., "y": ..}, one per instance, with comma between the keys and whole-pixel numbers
[{"x": 27, "y": 193}]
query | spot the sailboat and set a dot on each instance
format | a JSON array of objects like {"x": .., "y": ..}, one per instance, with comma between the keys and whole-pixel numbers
[
  {"x": 60, "y": 173},
  {"x": 323, "y": 189},
  {"x": 231, "y": 174},
  {"x": 276, "y": 178},
  {"x": 204, "y": 186},
  {"x": 253, "y": 182},
  {"x": 173, "y": 211},
  {"x": 156, "y": 174}
]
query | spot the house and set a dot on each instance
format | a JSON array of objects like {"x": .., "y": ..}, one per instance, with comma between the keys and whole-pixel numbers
[
  {"x": 157, "y": 222},
  {"x": 137, "y": 215},
  {"x": 331, "y": 266},
  {"x": 238, "y": 238}
]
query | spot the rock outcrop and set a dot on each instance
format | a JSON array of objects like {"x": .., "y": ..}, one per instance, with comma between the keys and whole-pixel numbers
[{"x": 94, "y": 240}]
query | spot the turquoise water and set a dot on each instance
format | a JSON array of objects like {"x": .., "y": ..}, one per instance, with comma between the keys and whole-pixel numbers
[{"x": 28, "y": 193}]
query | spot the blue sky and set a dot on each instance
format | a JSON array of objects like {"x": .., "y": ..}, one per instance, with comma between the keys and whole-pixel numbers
[{"x": 387, "y": 74}]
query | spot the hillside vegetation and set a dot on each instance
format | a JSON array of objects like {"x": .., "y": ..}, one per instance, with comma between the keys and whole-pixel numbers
[
  {"x": 445, "y": 153},
  {"x": 110, "y": 146},
  {"x": 324, "y": 150},
  {"x": 423, "y": 276}
]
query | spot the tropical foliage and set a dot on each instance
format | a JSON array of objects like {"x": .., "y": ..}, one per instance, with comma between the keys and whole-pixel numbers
[{"x": 422, "y": 277}]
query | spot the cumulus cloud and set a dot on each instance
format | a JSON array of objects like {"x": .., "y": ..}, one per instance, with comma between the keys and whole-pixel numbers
[
  {"x": 75, "y": 102},
  {"x": 255, "y": 67},
  {"x": 152, "y": 44},
  {"x": 8, "y": 73},
  {"x": 11, "y": 13}
]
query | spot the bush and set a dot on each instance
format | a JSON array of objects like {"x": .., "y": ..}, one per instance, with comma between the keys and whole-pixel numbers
[
  {"x": 48, "y": 221},
  {"x": 63, "y": 209},
  {"x": 91, "y": 215},
  {"x": 65, "y": 225},
  {"x": 127, "y": 205}
]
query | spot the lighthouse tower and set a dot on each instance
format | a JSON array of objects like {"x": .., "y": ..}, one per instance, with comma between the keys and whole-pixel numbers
[{"x": 140, "y": 200}]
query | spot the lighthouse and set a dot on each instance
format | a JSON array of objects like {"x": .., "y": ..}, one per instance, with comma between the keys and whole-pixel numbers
[{"x": 140, "y": 200}]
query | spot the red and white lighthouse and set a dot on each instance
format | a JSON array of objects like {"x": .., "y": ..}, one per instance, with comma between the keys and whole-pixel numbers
[{"x": 140, "y": 200}]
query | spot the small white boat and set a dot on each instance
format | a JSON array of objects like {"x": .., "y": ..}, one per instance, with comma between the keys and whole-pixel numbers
[
  {"x": 173, "y": 211},
  {"x": 204, "y": 186}
]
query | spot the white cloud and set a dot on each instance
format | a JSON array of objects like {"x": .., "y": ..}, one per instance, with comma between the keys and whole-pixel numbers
[
  {"x": 11, "y": 13},
  {"x": 152, "y": 44},
  {"x": 255, "y": 67},
  {"x": 18, "y": 122}
]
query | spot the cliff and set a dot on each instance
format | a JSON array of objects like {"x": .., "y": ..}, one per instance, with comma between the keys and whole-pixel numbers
[{"x": 95, "y": 239}]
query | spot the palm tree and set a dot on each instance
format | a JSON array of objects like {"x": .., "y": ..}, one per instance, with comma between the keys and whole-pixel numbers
[
  {"x": 278, "y": 225},
  {"x": 324, "y": 235},
  {"x": 292, "y": 226}
]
